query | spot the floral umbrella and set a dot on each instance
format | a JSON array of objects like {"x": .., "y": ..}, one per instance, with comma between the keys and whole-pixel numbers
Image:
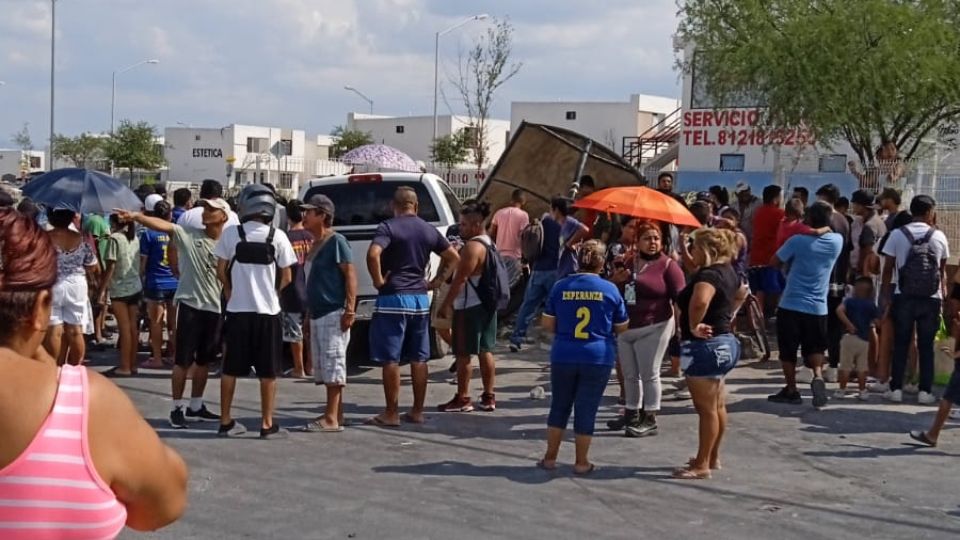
[{"x": 380, "y": 156}]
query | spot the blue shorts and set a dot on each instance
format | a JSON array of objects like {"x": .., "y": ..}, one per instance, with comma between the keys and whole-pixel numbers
[
  {"x": 710, "y": 358},
  {"x": 159, "y": 295},
  {"x": 766, "y": 280},
  {"x": 400, "y": 329}
]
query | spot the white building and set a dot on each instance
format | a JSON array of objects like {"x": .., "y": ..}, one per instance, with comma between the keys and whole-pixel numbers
[
  {"x": 607, "y": 122},
  {"x": 413, "y": 135},
  {"x": 20, "y": 163},
  {"x": 237, "y": 155}
]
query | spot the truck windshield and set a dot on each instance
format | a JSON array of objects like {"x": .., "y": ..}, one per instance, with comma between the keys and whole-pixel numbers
[{"x": 369, "y": 203}]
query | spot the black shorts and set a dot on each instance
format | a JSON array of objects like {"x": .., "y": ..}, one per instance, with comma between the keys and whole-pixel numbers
[
  {"x": 197, "y": 333},
  {"x": 800, "y": 331},
  {"x": 253, "y": 341},
  {"x": 131, "y": 300}
]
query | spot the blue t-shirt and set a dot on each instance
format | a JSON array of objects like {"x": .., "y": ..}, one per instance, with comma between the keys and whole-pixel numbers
[
  {"x": 153, "y": 246},
  {"x": 586, "y": 308},
  {"x": 176, "y": 213},
  {"x": 407, "y": 243},
  {"x": 862, "y": 312},
  {"x": 553, "y": 256},
  {"x": 810, "y": 260},
  {"x": 326, "y": 285}
]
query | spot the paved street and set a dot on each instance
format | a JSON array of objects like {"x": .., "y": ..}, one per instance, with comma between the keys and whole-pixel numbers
[{"x": 789, "y": 472}]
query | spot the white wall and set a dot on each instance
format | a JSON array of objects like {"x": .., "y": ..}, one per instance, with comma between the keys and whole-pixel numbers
[
  {"x": 11, "y": 160},
  {"x": 605, "y": 122}
]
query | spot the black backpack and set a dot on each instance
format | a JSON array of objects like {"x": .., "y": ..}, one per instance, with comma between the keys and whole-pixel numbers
[
  {"x": 493, "y": 288},
  {"x": 254, "y": 252},
  {"x": 531, "y": 241},
  {"x": 920, "y": 274}
]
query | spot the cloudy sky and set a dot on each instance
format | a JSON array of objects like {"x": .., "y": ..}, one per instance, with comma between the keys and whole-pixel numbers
[{"x": 285, "y": 62}]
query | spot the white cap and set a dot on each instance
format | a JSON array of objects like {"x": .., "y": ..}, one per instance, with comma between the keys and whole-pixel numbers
[
  {"x": 151, "y": 202},
  {"x": 741, "y": 186}
]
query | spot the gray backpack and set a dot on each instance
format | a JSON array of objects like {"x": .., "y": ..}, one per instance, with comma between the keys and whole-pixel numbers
[{"x": 920, "y": 274}]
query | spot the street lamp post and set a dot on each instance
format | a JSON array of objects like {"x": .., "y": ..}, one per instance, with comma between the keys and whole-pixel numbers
[
  {"x": 113, "y": 92},
  {"x": 436, "y": 63},
  {"x": 53, "y": 47},
  {"x": 362, "y": 96}
]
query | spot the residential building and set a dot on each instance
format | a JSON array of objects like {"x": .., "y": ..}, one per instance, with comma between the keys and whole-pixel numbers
[{"x": 16, "y": 163}]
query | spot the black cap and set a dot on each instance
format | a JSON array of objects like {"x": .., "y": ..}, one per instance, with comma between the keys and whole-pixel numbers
[
  {"x": 863, "y": 198},
  {"x": 319, "y": 202}
]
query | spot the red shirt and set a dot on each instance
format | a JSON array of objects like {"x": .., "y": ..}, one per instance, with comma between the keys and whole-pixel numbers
[
  {"x": 791, "y": 228},
  {"x": 766, "y": 221}
]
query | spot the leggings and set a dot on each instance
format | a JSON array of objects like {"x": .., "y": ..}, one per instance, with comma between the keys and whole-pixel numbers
[
  {"x": 641, "y": 354},
  {"x": 577, "y": 388}
]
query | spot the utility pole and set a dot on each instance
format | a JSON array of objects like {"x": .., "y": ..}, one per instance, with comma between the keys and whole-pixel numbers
[{"x": 53, "y": 57}]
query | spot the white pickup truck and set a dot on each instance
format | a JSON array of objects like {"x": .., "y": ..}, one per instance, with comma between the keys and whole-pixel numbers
[{"x": 362, "y": 202}]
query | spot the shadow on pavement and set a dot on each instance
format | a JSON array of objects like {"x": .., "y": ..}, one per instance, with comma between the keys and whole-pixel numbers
[
  {"x": 860, "y": 451},
  {"x": 524, "y": 474}
]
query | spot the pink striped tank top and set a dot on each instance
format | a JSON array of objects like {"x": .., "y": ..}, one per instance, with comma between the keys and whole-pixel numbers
[{"x": 52, "y": 490}]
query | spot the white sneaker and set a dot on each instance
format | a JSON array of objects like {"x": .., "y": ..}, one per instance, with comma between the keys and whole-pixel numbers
[
  {"x": 926, "y": 398},
  {"x": 910, "y": 389},
  {"x": 955, "y": 414},
  {"x": 830, "y": 374},
  {"x": 839, "y": 394},
  {"x": 879, "y": 387},
  {"x": 863, "y": 396},
  {"x": 895, "y": 396},
  {"x": 804, "y": 375}
]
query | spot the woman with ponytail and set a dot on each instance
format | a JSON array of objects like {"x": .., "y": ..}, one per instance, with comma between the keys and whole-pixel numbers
[
  {"x": 708, "y": 349},
  {"x": 585, "y": 313}
]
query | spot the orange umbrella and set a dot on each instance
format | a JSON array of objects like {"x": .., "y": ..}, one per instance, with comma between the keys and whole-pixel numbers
[{"x": 640, "y": 202}]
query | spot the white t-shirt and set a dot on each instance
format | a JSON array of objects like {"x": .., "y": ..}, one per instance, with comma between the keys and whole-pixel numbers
[
  {"x": 899, "y": 247},
  {"x": 254, "y": 286},
  {"x": 193, "y": 218}
]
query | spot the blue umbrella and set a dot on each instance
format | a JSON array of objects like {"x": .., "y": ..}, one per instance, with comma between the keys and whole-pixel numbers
[{"x": 81, "y": 190}]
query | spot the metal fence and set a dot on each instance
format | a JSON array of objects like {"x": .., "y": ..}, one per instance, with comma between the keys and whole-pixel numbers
[{"x": 938, "y": 179}]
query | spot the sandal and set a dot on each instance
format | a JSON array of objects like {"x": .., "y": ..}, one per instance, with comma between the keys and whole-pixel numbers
[
  {"x": 689, "y": 474},
  {"x": 315, "y": 426},
  {"x": 693, "y": 459},
  {"x": 922, "y": 438},
  {"x": 542, "y": 465},
  {"x": 587, "y": 472},
  {"x": 380, "y": 422},
  {"x": 112, "y": 373}
]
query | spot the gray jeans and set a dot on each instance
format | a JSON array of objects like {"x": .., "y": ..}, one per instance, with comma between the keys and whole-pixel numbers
[{"x": 641, "y": 353}]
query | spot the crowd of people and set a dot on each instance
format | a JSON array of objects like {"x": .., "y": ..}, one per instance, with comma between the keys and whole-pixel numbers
[{"x": 857, "y": 297}]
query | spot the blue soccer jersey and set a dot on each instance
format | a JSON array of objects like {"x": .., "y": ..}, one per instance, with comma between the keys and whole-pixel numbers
[
  {"x": 586, "y": 308},
  {"x": 153, "y": 246}
]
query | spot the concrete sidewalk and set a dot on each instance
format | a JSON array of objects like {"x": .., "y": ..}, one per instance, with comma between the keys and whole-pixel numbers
[{"x": 848, "y": 471}]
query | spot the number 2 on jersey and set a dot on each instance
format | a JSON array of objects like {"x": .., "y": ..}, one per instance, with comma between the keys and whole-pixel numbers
[{"x": 583, "y": 315}]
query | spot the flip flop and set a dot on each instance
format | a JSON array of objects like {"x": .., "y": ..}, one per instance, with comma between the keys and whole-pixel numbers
[
  {"x": 587, "y": 472},
  {"x": 408, "y": 418},
  {"x": 691, "y": 460},
  {"x": 112, "y": 373},
  {"x": 315, "y": 426},
  {"x": 542, "y": 465},
  {"x": 380, "y": 422},
  {"x": 687, "y": 474},
  {"x": 150, "y": 365},
  {"x": 921, "y": 437}
]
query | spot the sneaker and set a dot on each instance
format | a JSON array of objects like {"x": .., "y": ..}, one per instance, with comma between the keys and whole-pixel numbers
[
  {"x": 177, "y": 421},
  {"x": 233, "y": 429},
  {"x": 804, "y": 375},
  {"x": 839, "y": 394},
  {"x": 895, "y": 396},
  {"x": 274, "y": 432},
  {"x": 488, "y": 402},
  {"x": 646, "y": 428},
  {"x": 879, "y": 387},
  {"x": 830, "y": 374},
  {"x": 457, "y": 404},
  {"x": 863, "y": 396},
  {"x": 819, "y": 389},
  {"x": 955, "y": 414},
  {"x": 911, "y": 389},
  {"x": 515, "y": 347},
  {"x": 622, "y": 421},
  {"x": 786, "y": 396},
  {"x": 926, "y": 398},
  {"x": 203, "y": 415}
]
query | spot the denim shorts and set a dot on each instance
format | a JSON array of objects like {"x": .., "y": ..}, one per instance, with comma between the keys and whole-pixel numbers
[{"x": 710, "y": 358}]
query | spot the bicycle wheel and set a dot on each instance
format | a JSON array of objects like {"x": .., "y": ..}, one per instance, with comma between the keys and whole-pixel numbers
[{"x": 758, "y": 328}]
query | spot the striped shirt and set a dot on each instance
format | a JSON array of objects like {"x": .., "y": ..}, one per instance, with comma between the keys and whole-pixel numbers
[{"x": 52, "y": 490}]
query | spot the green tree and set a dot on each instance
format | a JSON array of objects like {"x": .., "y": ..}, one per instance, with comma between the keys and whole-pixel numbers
[
  {"x": 134, "y": 146},
  {"x": 450, "y": 150},
  {"x": 22, "y": 138},
  {"x": 345, "y": 140},
  {"x": 865, "y": 71},
  {"x": 483, "y": 70},
  {"x": 82, "y": 151}
]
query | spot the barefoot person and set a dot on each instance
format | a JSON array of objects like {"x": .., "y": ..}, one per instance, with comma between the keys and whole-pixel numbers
[
  {"x": 585, "y": 313},
  {"x": 709, "y": 350},
  {"x": 101, "y": 444},
  {"x": 400, "y": 328},
  {"x": 331, "y": 301},
  {"x": 198, "y": 297}
]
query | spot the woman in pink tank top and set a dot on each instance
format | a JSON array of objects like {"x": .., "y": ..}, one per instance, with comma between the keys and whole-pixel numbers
[{"x": 77, "y": 461}]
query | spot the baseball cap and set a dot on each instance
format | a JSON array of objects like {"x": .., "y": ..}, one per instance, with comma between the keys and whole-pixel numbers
[
  {"x": 216, "y": 204},
  {"x": 862, "y": 197},
  {"x": 151, "y": 201},
  {"x": 319, "y": 202},
  {"x": 741, "y": 186}
]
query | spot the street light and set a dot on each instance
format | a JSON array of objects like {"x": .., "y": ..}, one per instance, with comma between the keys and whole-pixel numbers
[
  {"x": 359, "y": 93},
  {"x": 436, "y": 63},
  {"x": 53, "y": 48},
  {"x": 113, "y": 93}
]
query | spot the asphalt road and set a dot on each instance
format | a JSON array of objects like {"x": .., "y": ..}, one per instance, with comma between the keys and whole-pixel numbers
[{"x": 848, "y": 471}]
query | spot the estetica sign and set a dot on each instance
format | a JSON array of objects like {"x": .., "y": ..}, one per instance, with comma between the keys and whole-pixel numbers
[{"x": 207, "y": 153}]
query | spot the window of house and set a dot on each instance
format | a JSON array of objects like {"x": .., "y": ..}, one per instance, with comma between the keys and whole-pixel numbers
[
  {"x": 256, "y": 144},
  {"x": 399, "y": 129},
  {"x": 34, "y": 162},
  {"x": 470, "y": 135},
  {"x": 286, "y": 180},
  {"x": 196, "y": 137},
  {"x": 286, "y": 147},
  {"x": 731, "y": 162},
  {"x": 571, "y": 115},
  {"x": 833, "y": 163},
  {"x": 239, "y": 177}
]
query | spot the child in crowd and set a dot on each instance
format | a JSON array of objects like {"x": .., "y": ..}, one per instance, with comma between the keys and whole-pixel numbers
[
  {"x": 792, "y": 223},
  {"x": 859, "y": 314}
]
